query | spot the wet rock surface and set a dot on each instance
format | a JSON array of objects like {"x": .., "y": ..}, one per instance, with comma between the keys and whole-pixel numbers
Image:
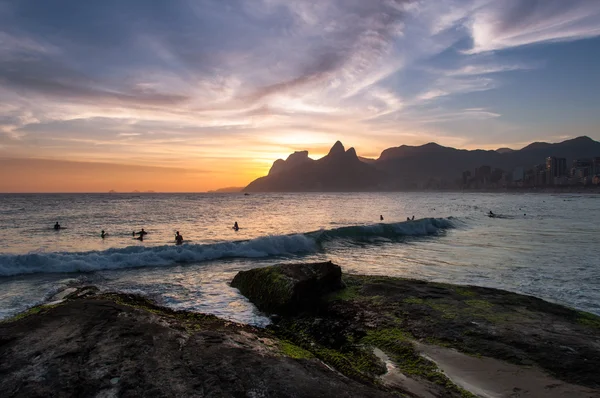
[
  {"x": 288, "y": 288},
  {"x": 376, "y": 337},
  {"x": 124, "y": 346},
  {"x": 394, "y": 314}
]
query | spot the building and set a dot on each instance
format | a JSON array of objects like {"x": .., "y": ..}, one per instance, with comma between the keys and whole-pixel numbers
[
  {"x": 561, "y": 181},
  {"x": 596, "y": 166},
  {"x": 582, "y": 168},
  {"x": 518, "y": 174},
  {"x": 541, "y": 179},
  {"x": 466, "y": 177},
  {"x": 483, "y": 172},
  {"x": 540, "y": 173},
  {"x": 557, "y": 167}
]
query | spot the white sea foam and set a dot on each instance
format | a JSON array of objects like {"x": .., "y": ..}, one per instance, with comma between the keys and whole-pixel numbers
[{"x": 267, "y": 246}]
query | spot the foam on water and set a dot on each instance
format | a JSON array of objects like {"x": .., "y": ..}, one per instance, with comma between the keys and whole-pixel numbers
[
  {"x": 549, "y": 253},
  {"x": 267, "y": 246}
]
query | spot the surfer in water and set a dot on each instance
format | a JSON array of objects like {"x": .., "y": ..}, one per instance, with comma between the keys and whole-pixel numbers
[
  {"x": 235, "y": 226},
  {"x": 56, "y": 226},
  {"x": 103, "y": 234},
  {"x": 178, "y": 238},
  {"x": 491, "y": 214},
  {"x": 141, "y": 233},
  {"x": 381, "y": 217}
]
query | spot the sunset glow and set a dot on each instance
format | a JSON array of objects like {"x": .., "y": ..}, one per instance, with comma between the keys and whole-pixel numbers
[{"x": 193, "y": 96}]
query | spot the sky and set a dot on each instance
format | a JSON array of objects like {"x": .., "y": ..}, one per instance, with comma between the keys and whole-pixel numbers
[{"x": 193, "y": 95}]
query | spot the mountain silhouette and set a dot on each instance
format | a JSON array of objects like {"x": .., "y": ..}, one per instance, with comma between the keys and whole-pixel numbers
[
  {"x": 340, "y": 170},
  {"x": 406, "y": 167}
]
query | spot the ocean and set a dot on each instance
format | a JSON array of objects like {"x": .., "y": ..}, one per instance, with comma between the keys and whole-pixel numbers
[{"x": 545, "y": 245}]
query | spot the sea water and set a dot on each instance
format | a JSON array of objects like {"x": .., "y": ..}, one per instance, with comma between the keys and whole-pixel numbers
[{"x": 545, "y": 245}]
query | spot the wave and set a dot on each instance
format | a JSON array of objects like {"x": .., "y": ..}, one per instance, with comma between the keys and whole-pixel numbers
[
  {"x": 267, "y": 246},
  {"x": 422, "y": 227}
]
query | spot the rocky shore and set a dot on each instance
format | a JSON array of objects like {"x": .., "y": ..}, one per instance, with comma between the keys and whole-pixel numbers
[{"x": 332, "y": 335}]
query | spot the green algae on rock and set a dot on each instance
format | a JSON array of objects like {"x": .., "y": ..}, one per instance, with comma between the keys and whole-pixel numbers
[
  {"x": 288, "y": 288},
  {"x": 396, "y": 316}
]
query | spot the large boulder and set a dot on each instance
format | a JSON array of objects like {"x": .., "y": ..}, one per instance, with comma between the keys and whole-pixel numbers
[{"x": 288, "y": 288}]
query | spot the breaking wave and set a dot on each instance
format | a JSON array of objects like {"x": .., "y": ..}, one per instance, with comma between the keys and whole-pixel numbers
[{"x": 267, "y": 246}]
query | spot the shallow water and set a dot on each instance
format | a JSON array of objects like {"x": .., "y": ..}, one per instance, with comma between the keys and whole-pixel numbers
[{"x": 551, "y": 252}]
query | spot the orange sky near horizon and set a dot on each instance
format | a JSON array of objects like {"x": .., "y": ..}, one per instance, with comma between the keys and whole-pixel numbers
[
  {"x": 199, "y": 96},
  {"x": 187, "y": 174},
  {"x": 25, "y": 175},
  {"x": 47, "y": 176}
]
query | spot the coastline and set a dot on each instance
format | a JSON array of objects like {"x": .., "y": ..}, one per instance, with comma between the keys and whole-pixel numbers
[{"x": 377, "y": 336}]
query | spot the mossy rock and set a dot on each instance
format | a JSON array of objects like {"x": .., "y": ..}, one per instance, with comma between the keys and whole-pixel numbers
[{"x": 289, "y": 288}]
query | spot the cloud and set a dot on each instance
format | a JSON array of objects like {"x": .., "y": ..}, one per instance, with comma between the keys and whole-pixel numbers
[
  {"x": 171, "y": 81},
  {"x": 515, "y": 23},
  {"x": 487, "y": 69},
  {"x": 13, "y": 45},
  {"x": 50, "y": 78}
]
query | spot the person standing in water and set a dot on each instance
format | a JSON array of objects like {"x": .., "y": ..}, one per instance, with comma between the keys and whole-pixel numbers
[
  {"x": 178, "y": 238},
  {"x": 57, "y": 226},
  {"x": 103, "y": 234},
  {"x": 381, "y": 217},
  {"x": 235, "y": 226}
]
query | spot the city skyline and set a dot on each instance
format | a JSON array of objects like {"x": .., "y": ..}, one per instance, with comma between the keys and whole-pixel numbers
[{"x": 193, "y": 96}]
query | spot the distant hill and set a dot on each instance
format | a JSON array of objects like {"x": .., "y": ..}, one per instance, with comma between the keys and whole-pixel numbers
[
  {"x": 504, "y": 150},
  {"x": 227, "y": 190},
  {"x": 406, "y": 167}
]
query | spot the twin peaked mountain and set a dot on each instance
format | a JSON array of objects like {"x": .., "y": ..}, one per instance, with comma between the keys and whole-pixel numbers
[
  {"x": 340, "y": 170},
  {"x": 405, "y": 167}
]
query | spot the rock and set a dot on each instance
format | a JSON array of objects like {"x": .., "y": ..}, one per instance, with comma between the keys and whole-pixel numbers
[
  {"x": 122, "y": 345},
  {"x": 404, "y": 318},
  {"x": 288, "y": 288},
  {"x": 296, "y": 159},
  {"x": 337, "y": 149}
]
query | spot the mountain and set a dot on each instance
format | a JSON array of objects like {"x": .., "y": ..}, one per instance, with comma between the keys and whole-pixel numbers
[
  {"x": 227, "y": 190},
  {"x": 366, "y": 160},
  {"x": 340, "y": 170},
  {"x": 410, "y": 166},
  {"x": 536, "y": 153},
  {"x": 294, "y": 160},
  {"x": 504, "y": 150},
  {"x": 406, "y": 167}
]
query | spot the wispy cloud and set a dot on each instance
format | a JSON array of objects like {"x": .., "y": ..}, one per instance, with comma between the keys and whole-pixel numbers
[
  {"x": 515, "y": 23},
  {"x": 149, "y": 80}
]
